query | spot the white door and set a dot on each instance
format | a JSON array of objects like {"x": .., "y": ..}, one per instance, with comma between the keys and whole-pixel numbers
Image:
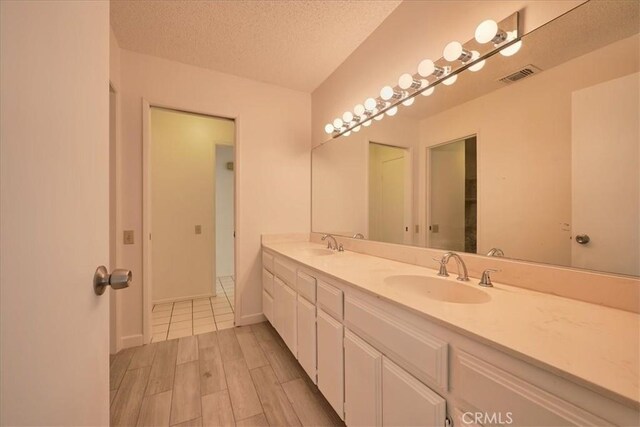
[
  {"x": 408, "y": 402},
  {"x": 606, "y": 176},
  {"x": 54, "y": 222},
  {"x": 331, "y": 361},
  {"x": 392, "y": 214},
  {"x": 307, "y": 337},
  {"x": 362, "y": 382}
]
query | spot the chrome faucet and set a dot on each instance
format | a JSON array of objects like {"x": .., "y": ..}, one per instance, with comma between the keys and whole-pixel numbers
[
  {"x": 495, "y": 252},
  {"x": 485, "y": 280},
  {"x": 358, "y": 236},
  {"x": 329, "y": 245},
  {"x": 463, "y": 275}
]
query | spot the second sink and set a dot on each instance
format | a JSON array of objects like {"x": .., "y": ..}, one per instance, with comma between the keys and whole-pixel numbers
[{"x": 438, "y": 289}]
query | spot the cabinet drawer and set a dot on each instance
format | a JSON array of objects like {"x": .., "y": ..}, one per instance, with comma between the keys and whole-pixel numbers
[
  {"x": 286, "y": 271},
  {"x": 267, "y": 261},
  {"x": 267, "y": 306},
  {"x": 307, "y": 286},
  {"x": 267, "y": 281},
  {"x": 330, "y": 298},
  {"x": 491, "y": 390},
  {"x": 424, "y": 355}
]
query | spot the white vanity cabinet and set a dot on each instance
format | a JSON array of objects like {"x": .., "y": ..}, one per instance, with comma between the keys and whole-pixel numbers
[
  {"x": 362, "y": 382},
  {"x": 331, "y": 361},
  {"x": 285, "y": 313},
  {"x": 307, "y": 348}
]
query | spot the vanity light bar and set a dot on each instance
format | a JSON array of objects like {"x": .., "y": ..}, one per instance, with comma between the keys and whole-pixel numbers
[{"x": 490, "y": 38}]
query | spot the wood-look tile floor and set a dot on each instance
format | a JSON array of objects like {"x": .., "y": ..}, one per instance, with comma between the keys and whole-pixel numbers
[{"x": 243, "y": 376}]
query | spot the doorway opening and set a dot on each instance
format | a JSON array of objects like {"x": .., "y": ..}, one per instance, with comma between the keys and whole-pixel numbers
[
  {"x": 189, "y": 215},
  {"x": 389, "y": 193},
  {"x": 453, "y": 203}
]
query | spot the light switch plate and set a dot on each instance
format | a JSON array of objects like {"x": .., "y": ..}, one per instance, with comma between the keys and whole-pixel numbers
[
  {"x": 198, "y": 229},
  {"x": 127, "y": 237}
]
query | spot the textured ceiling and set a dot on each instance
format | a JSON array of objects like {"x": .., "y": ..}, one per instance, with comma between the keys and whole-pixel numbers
[{"x": 295, "y": 44}]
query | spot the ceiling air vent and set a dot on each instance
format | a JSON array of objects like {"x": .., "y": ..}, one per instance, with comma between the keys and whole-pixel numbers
[{"x": 526, "y": 71}]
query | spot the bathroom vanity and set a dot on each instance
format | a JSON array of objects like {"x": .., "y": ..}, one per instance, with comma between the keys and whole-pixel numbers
[{"x": 389, "y": 343}]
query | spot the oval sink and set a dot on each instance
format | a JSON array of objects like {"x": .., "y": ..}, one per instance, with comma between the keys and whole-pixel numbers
[
  {"x": 318, "y": 252},
  {"x": 439, "y": 289}
]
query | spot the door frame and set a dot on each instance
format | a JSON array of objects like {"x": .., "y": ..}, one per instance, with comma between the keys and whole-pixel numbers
[
  {"x": 115, "y": 323},
  {"x": 147, "y": 302}
]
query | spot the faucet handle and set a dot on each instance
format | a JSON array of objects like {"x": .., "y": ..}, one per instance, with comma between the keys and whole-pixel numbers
[
  {"x": 443, "y": 267},
  {"x": 485, "y": 280}
]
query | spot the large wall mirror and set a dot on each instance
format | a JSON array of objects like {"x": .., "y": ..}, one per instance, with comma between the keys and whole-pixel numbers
[{"x": 535, "y": 157}]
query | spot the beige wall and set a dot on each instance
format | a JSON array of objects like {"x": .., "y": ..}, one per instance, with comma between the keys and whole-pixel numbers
[
  {"x": 273, "y": 129},
  {"x": 183, "y": 170},
  {"x": 414, "y": 31},
  {"x": 524, "y": 153}
]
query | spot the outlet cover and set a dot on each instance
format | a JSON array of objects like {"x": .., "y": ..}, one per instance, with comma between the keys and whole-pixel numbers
[{"x": 198, "y": 229}]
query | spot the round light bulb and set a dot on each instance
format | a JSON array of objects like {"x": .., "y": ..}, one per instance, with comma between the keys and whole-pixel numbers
[
  {"x": 479, "y": 65},
  {"x": 370, "y": 104},
  {"x": 486, "y": 31},
  {"x": 426, "y": 68},
  {"x": 337, "y": 123},
  {"x": 405, "y": 81},
  {"x": 347, "y": 117},
  {"x": 328, "y": 128},
  {"x": 429, "y": 91},
  {"x": 511, "y": 50},
  {"x": 450, "y": 80},
  {"x": 392, "y": 111},
  {"x": 367, "y": 123},
  {"x": 359, "y": 110},
  {"x": 347, "y": 133},
  {"x": 356, "y": 129},
  {"x": 379, "y": 117},
  {"x": 408, "y": 102},
  {"x": 452, "y": 51},
  {"x": 386, "y": 93}
]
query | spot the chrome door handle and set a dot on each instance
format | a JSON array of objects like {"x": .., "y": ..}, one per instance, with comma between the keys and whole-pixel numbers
[
  {"x": 582, "y": 239},
  {"x": 118, "y": 279}
]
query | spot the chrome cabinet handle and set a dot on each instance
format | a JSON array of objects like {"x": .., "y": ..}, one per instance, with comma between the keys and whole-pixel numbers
[
  {"x": 583, "y": 239},
  {"x": 118, "y": 279}
]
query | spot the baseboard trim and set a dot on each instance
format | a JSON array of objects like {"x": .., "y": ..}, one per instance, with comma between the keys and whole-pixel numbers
[
  {"x": 250, "y": 319},
  {"x": 185, "y": 298},
  {"x": 131, "y": 341}
]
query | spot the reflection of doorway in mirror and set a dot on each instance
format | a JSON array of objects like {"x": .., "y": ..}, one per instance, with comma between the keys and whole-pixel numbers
[
  {"x": 452, "y": 201},
  {"x": 389, "y": 197}
]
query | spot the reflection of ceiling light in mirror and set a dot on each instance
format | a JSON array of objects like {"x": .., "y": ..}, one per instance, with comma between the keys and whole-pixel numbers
[
  {"x": 392, "y": 111},
  {"x": 370, "y": 104},
  {"x": 367, "y": 123},
  {"x": 328, "y": 128},
  {"x": 347, "y": 133},
  {"x": 359, "y": 110},
  {"x": 337, "y": 123},
  {"x": 488, "y": 31},
  {"x": 450, "y": 80},
  {"x": 356, "y": 129},
  {"x": 408, "y": 102},
  {"x": 454, "y": 52},
  {"x": 511, "y": 50},
  {"x": 428, "y": 92},
  {"x": 379, "y": 117},
  {"x": 347, "y": 117},
  {"x": 479, "y": 65}
]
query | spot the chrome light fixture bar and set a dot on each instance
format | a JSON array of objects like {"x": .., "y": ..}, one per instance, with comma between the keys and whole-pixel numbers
[{"x": 490, "y": 38}]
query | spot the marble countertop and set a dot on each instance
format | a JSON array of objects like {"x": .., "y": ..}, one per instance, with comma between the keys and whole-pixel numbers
[{"x": 593, "y": 345}]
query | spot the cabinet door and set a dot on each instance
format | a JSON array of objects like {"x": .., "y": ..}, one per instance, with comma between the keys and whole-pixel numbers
[
  {"x": 278, "y": 304},
  {"x": 307, "y": 337},
  {"x": 288, "y": 329},
  {"x": 267, "y": 306},
  {"x": 331, "y": 361},
  {"x": 406, "y": 401},
  {"x": 362, "y": 382}
]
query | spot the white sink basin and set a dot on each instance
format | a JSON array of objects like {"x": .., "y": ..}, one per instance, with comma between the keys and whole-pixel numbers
[
  {"x": 439, "y": 289},
  {"x": 318, "y": 252}
]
